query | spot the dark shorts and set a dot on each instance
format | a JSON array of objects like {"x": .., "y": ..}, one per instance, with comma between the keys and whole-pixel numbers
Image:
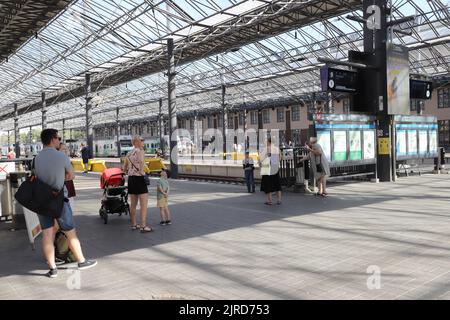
[
  {"x": 137, "y": 185},
  {"x": 65, "y": 222}
]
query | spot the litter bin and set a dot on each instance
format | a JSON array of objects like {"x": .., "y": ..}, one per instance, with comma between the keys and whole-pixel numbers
[
  {"x": 16, "y": 179},
  {"x": 6, "y": 209},
  {"x": 439, "y": 161}
]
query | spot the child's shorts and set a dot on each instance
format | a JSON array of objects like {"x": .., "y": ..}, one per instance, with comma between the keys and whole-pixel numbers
[{"x": 162, "y": 203}]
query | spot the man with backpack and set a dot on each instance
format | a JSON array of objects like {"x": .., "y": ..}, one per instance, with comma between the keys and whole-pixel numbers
[{"x": 53, "y": 168}]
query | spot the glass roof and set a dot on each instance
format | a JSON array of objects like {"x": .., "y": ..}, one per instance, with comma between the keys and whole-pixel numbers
[{"x": 97, "y": 35}]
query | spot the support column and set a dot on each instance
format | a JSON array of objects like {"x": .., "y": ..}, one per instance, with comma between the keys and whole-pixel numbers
[
  {"x": 260, "y": 127},
  {"x": 119, "y": 152},
  {"x": 44, "y": 112},
  {"x": 9, "y": 141},
  {"x": 161, "y": 127},
  {"x": 375, "y": 42},
  {"x": 64, "y": 130},
  {"x": 89, "y": 129},
  {"x": 247, "y": 140},
  {"x": 172, "y": 110},
  {"x": 224, "y": 122},
  {"x": 16, "y": 132}
]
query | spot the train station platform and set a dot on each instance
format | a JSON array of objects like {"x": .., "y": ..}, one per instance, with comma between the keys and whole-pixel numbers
[{"x": 226, "y": 244}]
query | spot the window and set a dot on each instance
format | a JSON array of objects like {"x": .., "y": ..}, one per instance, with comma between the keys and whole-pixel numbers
[
  {"x": 253, "y": 117},
  {"x": 413, "y": 104},
  {"x": 296, "y": 113},
  {"x": 444, "y": 98},
  {"x": 241, "y": 118},
  {"x": 280, "y": 115},
  {"x": 444, "y": 131},
  {"x": 346, "y": 105},
  {"x": 210, "y": 122},
  {"x": 191, "y": 124},
  {"x": 230, "y": 121},
  {"x": 266, "y": 116}
]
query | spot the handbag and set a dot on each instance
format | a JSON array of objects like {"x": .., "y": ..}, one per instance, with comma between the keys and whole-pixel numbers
[
  {"x": 146, "y": 176},
  {"x": 40, "y": 198},
  {"x": 319, "y": 167}
]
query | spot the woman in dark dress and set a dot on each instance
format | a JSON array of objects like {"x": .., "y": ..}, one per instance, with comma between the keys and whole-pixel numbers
[{"x": 269, "y": 163}]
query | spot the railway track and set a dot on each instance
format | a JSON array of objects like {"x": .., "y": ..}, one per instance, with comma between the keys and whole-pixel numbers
[{"x": 195, "y": 177}]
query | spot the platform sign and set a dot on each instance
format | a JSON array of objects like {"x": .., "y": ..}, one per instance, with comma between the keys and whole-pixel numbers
[
  {"x": 340, "y": 145},
  {"x": 324, "y": 139},
  {"x": 384, "y": 146},
  {"x": 33, "y": 225},
  {"x": 5, "y": 168},
  {"x": 355, "y": 145},
  {"x": 369, "y": 144}
]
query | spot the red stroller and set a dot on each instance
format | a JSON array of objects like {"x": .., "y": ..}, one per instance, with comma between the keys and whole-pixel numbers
[{"x": 115, "y": 194}]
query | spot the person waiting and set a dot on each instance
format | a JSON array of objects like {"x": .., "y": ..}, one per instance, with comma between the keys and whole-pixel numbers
[
  {"x": 249, "y": 168},
  {"x": 137, "y": 187}
]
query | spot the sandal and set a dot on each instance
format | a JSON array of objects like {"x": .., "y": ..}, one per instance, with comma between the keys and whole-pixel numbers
[
  {"x": 268, "y": 203},
  {"x": 135, "y": 227},
  {"x": 278, "y": 202},
  {"x": 323, "y": 195},
  {"x": 146, "y": 229}
]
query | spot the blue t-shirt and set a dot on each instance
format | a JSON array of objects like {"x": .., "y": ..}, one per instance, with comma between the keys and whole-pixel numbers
[{"x": 51, "y": 166}]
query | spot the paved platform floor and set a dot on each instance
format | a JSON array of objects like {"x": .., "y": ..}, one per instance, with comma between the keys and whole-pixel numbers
[{"x": 226, "y": 244}]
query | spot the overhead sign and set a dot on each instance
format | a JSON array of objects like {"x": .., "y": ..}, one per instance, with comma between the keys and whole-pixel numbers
[
  {"x": 333, "y": 79},
  {"x": 420, "y": 89}
]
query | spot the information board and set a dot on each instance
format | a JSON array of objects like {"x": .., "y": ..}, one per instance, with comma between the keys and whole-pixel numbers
[
  {"x": 401, "y": 143},
  {"x": 423, "y": 142},
  {"x": 412, "y": 142},
  {"x": 355, "y": 145},
  {"x": 369, "y": 144},
  {"x": 324, "y": 139},
  {"x": 340, "y": 145}
]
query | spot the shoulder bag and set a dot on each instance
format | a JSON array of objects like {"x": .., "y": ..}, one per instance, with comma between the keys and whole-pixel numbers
[
  {"x": 40, "y": 198},
  {"x": 146, "y": 176}
]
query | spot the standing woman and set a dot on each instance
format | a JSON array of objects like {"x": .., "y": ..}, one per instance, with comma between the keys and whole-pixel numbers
[
  {"x": 319, "y": 165},
  {"x": 137, "y": 187},
  {"x": 269, "y": 164}
]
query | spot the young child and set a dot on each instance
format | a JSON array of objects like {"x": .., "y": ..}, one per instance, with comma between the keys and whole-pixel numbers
[
  {"x": 249, "y": 167},
  {"x": 162, "y": 199}
]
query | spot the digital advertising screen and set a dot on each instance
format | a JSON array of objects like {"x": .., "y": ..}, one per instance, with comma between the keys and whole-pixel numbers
[
  {"x": 398, "y": 79},
  {"x": 369, "y": 144},
  {"x": 423, "y": 142},
  {"x": 401, "y": 143},
  {"x": 412, "y": 142},
  {"x": 324, "y": 139},
  {"x": 355, "y": 145},
  {"x": 340, "y": 145}
]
